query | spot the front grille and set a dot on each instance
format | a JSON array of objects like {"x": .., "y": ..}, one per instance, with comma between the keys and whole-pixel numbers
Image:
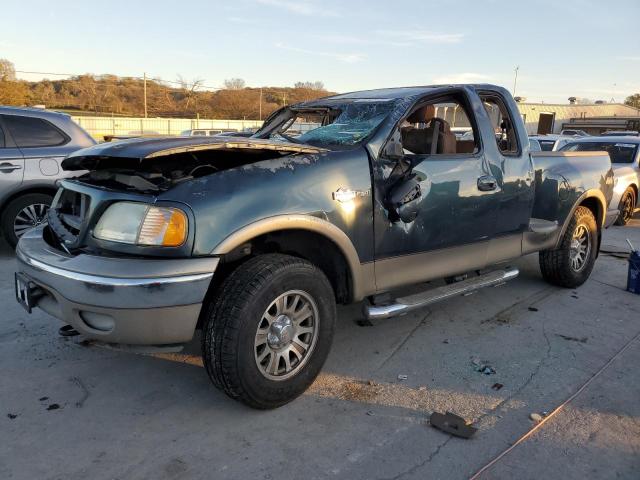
[{"x": 67, "y": 216}]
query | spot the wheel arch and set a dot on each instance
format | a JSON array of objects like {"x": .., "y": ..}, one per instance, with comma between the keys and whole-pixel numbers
[
  {"x": 595, "y": 201},
  {"x": 44, "y": 189},
  {"x": 312, "y": 238}
]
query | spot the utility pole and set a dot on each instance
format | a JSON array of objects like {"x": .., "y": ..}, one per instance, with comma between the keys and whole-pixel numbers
[
  {"x": 515, "y": 80},
  {"x": 145, "y": 94},
  {"x": 260, "y": 103}
]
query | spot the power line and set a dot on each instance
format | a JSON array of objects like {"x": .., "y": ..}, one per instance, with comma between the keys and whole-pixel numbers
[{"x": 155, "y": 79}]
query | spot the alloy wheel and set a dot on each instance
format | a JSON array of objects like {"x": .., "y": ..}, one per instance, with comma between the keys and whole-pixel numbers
[
  {"x": 286, "y": 335},
  {"x": 580, "y": 248},
  {"x": 29, "y": 217}
]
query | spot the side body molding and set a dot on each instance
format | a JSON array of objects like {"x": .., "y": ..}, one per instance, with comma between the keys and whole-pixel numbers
[{"x": 362, "y": 275}]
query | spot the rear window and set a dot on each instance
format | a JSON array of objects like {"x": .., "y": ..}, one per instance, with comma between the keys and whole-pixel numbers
[
  {"x": 33, "y": 132},
  {"x": 619, "y": 152}
]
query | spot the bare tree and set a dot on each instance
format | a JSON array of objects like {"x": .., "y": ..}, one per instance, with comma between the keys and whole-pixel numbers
[
  {"x": 189, "y": 89},
  {"x": 234, "y": 84},
  {"x": 309, "y": 85},
  {"x": 7, "y": 70}
]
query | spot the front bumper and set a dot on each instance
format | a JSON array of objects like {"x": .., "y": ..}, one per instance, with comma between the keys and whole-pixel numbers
[{"x": 117, "y": 300}]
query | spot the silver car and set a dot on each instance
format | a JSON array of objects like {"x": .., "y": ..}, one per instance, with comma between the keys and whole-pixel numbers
[
  {"x": 33, "y": 143},
  {"x": 625, "y": 161}
]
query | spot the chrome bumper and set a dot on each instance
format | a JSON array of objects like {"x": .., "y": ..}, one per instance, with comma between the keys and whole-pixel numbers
[{"x": 134, "y": 301}]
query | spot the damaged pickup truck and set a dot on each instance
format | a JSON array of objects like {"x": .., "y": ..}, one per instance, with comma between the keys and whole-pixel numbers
[{"x": 338, "y": 200}]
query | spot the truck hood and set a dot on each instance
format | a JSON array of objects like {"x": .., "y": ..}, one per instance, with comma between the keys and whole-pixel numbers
[{"x": 134, "y": 152}]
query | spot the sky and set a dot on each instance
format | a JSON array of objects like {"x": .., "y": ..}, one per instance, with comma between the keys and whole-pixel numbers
[{"x": 582, "y": 48}]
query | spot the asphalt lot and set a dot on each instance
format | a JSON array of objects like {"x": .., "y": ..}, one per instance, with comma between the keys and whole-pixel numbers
[{"x": 88, "y": 412}]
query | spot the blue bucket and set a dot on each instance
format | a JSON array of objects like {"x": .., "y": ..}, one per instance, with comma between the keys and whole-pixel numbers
[{"x": 633, "y": 279}]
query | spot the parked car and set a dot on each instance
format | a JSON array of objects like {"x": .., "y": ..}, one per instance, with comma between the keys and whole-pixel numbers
[
  {"x": 620, "y": 133},
  {"x": 204, "y": 132},
  {"x": 572, "y": 132},
  {"x": 255, "y": 241},
  {"x": 552, "y": 143},
  {"x": 235, "y": 134},
  {"x": 625, "y": 159},
  {"x": 534, "y": 145},
  {"x": 33, "y": 143}
]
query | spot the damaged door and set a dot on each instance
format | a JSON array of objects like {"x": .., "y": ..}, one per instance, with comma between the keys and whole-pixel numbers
[{"x": 435, "y": 211}]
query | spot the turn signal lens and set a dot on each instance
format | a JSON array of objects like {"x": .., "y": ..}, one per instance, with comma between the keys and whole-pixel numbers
[{"x": 163, "y": 226}]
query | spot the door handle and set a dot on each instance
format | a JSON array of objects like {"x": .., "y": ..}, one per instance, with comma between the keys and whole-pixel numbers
[
  {"x": 487, "y": 183},
  {"x": 9, "y": 167}
]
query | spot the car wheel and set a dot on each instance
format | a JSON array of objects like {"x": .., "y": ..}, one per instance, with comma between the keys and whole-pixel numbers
[
  {"x": 627, "y": 207},
  {"x": 571, "y": 263},
  {"x": 24, "y": 213},
  {"x": 269, "y": 329}
]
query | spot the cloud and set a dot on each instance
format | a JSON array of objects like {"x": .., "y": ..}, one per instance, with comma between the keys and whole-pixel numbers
[
  {"x": 343, "y": 57},
  {"x": 421, "y": 36},
  {"x": 467, "y": 77},
  {"x": 300, "y": 7}
]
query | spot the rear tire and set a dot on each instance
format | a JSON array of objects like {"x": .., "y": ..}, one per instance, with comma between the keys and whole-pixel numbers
[
  {"x": 256, "y": 326},
  {"x": 627, "y": 207},
  {"x": 572, "y": 262},
  {"x": 24, "y": 212}
]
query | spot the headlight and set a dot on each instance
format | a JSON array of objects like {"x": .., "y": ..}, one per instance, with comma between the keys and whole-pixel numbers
[{"x": 141, "y": 224}]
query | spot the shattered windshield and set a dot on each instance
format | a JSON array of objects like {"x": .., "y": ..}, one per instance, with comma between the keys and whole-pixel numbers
[{"x": 335, "y": 126}]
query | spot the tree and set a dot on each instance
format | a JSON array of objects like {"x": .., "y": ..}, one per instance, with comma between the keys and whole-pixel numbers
[
  {"x": 633, "y": 100},
  {"x": 310, "y": 85},
  {"x": 7, "y": 70},
  {"x": 190, "y": 90},
  {"x": 234, "y": 84}
]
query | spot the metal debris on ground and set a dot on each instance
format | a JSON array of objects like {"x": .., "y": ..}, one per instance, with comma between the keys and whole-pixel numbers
[
  {"x": 497, "y": 386},
  {"x": 533, "y": 309},
  {"x": 486, "y": 369},
  {"x": 403, "y": 377},
  {"x": 536, "y": 417},
  {"x": 12, "y": 415},
  {"x": 452, "y": 424},
  {"x": 53, "y": 406}
]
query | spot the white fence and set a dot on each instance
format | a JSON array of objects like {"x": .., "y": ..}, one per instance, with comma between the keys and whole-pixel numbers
[{"x": 98, "y": 127}]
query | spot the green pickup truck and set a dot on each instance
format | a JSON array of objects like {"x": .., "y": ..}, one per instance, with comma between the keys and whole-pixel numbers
[{"x": 350, "y": 198}]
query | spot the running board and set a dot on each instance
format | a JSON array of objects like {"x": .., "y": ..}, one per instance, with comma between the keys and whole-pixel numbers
[{"x": 409, "y": 303}]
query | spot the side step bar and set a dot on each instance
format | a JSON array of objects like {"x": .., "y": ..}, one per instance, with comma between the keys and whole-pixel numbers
[{"x": 409, "y": 303}]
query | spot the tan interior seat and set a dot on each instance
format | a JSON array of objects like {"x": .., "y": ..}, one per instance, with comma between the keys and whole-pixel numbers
[{"x": 419, "y": 140}]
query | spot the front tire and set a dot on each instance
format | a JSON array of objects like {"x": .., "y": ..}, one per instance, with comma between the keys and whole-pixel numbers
[
  {"x": 268, "y": 330},
  {"x": 627, "y": 207},
  {"x": 23, "y": 213},
  {"x": 572, "y": 262}
]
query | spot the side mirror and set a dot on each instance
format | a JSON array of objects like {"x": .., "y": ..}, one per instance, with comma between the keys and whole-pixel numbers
[
  {"x": 393, "y": 149},
  {"x": 404, "y": 199}
]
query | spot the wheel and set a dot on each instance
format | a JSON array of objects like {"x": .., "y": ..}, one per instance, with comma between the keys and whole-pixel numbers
[
  {"x": 571, "y": 263},
  {"x": 269, "y": 329},
  {"x": 627, "y": 207},
  {"x": 23, "y": 213}
]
